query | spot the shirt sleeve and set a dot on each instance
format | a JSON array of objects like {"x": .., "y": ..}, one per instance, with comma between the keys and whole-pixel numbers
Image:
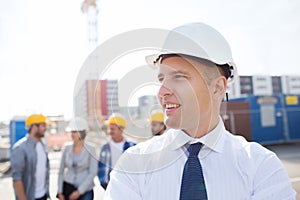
[
  {"x": 104, "y": 166},
  {"x": 92, "y": 171},
  {"x": 17, "y": 163},
  {"x": 271, "y": 181},
  {"x": 61, "y": 171},
  {"x": 122, "y": 186}
]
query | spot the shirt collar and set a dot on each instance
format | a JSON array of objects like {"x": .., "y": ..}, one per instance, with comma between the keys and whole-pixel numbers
[
  {"x": 212, "y": 140},
  {"x": 30, "y": 140}
]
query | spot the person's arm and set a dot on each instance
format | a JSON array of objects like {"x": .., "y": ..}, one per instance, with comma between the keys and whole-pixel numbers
[
  {"x": 126, "y": 179},
  {"x": 122, "y": 186},
  {"x": 17, "y": 167},
  {"x": 271, "y": 181},
  {"x": 61, "y": 174},
  {"x": 103, "y": 167},
  {"x": 60, "y": 196},
  {"x": 92, "y": 171},
  {"x": 19, "y": 189}
]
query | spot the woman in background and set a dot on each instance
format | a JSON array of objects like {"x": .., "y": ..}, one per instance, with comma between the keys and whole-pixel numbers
[{"x": 78, "y": 165}]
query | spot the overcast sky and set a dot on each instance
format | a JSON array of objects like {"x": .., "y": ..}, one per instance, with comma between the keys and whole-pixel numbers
[{"x": 44, "y": 43}]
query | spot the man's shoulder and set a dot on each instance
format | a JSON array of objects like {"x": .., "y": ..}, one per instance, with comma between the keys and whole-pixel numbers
[
  {"x": 21, "y": 143},
  {"x": 105, "y": 147},
  {"x": 130, "y": 143},
  {"x": 262, "y": 167},
  {"x": 246, "y": 149}
]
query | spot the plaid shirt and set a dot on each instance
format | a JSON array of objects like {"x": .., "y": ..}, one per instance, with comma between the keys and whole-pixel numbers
[{"x": 104, "y": 165}]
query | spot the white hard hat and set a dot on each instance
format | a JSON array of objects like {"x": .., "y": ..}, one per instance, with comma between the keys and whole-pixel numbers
[
  {"x": 198, "y": 40},
  {"x": 77, "y": 124}
]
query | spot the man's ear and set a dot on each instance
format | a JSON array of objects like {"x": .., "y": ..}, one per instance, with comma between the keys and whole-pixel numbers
[{"x": 220, "y": 86}]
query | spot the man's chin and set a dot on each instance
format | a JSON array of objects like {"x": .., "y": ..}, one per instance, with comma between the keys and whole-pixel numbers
[
  {"x": 172, "y": 124},
  {"x": 40, "y": 135}
]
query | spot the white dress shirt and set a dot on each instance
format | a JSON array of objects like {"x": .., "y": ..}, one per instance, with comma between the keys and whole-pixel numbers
[{"x": 233, "y": 169}]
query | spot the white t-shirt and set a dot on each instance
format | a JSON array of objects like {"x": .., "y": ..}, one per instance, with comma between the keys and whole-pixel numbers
[
  {"x": 116, "y": 151},
  {"x": 41, "y": 168}
]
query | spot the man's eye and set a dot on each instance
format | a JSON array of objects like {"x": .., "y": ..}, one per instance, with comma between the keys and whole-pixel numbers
[
  {"x": 160, "y": 79},
  {"x": 179, "y": 76}
]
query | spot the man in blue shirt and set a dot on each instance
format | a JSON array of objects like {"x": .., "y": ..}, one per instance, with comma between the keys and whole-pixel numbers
[{"x": 29, "y": 162}]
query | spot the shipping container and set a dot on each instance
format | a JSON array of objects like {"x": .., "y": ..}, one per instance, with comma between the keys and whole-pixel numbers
[
  {"x": 236, "y": 117},
  {"x": 292, "y": 113},
  {"x": 246, "y": 85},
  {"x": 290, "y": 85},
  {"x": 266, "y": 118},
  {"x": 262, "y": 85}
]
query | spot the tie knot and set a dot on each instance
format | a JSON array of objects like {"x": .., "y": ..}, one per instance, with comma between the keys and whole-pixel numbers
[{"x": 194, "y": 149}]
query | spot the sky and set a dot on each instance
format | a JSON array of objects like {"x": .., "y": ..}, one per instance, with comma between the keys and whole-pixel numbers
[{"x": 43, "y": 44}]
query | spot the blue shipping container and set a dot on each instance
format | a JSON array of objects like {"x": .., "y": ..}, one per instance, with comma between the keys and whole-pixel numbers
[
  {"x": 267, "y": 118},
  {"x": 292, "y": 110}
]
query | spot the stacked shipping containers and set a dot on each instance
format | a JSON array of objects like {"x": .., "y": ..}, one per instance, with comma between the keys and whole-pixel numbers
[
  {"x": 264, "y": 85},
  {"x": 274, "y": 110}
]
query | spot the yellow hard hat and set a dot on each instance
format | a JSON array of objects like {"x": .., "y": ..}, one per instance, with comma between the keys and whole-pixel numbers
[
  {"x": 157, "y": 117},
  {"x": 35, "y": 119},
  {"x": 117, "y": 119}
]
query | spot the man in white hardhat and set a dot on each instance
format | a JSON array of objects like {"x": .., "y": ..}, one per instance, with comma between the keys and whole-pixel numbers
[{"x": 197, "y": 158}]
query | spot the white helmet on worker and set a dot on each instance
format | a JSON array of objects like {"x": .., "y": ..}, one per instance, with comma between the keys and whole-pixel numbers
[
  {"x": 201, "y": 41},
  {"x": 78, "y": 124}
]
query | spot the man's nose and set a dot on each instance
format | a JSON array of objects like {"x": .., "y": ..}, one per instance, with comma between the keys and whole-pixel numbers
[{"x": 164, "y": 91}]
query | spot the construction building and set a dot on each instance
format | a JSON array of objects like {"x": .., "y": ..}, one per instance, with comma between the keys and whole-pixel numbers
[{"x": 96, "y": 100}]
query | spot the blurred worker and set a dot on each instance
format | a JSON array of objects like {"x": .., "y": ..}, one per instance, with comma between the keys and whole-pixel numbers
[
  {"x": 158, "y": 126},
  {"x": 29, "y": 162},
  {"x": 78, "y": 165},
  {"x": 197, "y": 158},
  {"x": 112, "y": 150}
]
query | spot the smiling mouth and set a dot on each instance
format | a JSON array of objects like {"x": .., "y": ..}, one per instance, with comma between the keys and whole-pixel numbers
[{"x": 172, "y": 106}]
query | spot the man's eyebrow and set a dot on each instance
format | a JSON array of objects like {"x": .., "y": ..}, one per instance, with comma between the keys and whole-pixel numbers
[
  {"x": 174, "y": 72},
  {"x": 178, "y": 72}
]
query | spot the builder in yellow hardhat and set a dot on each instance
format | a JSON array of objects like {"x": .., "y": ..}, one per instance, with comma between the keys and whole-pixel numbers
[
  {"x": 158, "y": 126},
  {"x": 114, "y": 148},
  {"x": 29, "y": 161}
]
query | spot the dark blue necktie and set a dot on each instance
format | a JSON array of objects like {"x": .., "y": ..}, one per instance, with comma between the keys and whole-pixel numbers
[{"x": 192, "y": 183}]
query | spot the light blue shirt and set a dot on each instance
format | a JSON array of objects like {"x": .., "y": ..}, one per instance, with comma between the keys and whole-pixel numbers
[
  {"x": 24, "y": 165},
  {"x": 233, "y": 169}
]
